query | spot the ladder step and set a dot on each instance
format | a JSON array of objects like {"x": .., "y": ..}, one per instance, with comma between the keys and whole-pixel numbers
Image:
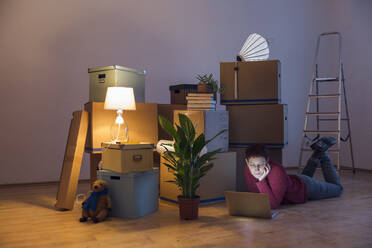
[
  {"x": 322, "y": 113},
  {"x": 318, "y": 131},
  {"x": 324, "y": 96},
  {"x": 310, "y": 150},
  {"x": 324, "y": 119},
  {"x": 326, "y": 79}
]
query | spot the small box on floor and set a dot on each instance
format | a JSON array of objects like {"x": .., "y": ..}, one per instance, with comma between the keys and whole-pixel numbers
[
  {"x": 133, "y": 194},
  {"x": 275, "y": 154},
  {"x": 124, "y": 158},
  {"x": 212, "y": 186}
]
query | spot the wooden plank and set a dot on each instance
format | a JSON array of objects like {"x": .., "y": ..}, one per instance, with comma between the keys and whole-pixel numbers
[{"x": 72, "y": 160}]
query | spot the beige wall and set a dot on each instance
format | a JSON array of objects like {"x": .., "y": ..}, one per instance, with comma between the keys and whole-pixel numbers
[{"x": 47, "y": 46}]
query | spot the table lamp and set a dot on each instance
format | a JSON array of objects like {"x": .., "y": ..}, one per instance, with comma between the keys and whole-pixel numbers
[{"x": 119, "y": 98}]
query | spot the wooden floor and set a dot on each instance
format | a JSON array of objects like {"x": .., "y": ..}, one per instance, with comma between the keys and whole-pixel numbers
[{"x": 28, "y": 219}]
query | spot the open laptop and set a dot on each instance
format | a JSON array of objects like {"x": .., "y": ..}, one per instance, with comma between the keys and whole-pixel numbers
[{"x": 249, "y": 204}]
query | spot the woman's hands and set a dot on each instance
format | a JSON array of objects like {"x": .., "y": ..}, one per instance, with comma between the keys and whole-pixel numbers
[{"x": 266, "y": 172}]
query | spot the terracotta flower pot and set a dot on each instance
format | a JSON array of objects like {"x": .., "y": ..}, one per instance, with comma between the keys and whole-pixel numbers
[
  {"x": 189, "y": 208},
  {"x": 204, "y": 88}
]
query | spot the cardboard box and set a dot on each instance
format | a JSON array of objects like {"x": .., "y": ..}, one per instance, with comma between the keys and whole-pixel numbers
[
  {"x": 276, "y": 154},
  {"x": 142, "y": 124},
  {"x": 250, "y": 124},
  {"x": 102, "y": 77},
  {"x": 133, "y": 195},
  {"x": 210, "y": 123},
  {"x": 125, "y": 158},
  {"x": 258, "y": 82},
  {"x": 212, "y": 186},
  {"x": 166, "y": 110},
  {"x": 179, "y": 92}
]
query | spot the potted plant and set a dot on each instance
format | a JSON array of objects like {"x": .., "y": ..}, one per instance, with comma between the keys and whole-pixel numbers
[
  {"x": 187, "y": 163},
  {"x": 208, "y": 85}
]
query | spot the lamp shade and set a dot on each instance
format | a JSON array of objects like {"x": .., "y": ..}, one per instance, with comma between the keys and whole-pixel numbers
[{"x": 120, "y": 98}]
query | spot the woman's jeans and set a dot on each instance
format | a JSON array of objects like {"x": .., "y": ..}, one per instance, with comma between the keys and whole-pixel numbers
[{"x": 317, "y": 190}]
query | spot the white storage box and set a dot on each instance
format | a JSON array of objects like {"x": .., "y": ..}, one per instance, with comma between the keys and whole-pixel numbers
[
  {"x": 133, "y": 194},
  {"x": 209, "y": 122},
  {"x": 102, "y": 77},
  {"x": 212, "y": 186}
]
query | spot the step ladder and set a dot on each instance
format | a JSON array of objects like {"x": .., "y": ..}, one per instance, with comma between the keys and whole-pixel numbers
[{"x": 334, "y": 116}]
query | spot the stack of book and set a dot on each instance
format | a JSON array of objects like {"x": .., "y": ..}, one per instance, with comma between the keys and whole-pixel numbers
[{"x": 200, "y": 101}]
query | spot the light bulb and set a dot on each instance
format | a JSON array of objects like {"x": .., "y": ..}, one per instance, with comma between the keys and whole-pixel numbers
[{"x": 119, "y": 120}]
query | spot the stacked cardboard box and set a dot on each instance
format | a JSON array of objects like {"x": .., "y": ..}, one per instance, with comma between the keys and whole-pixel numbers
[
  {"x": 142, "y": 124},
  {"x": 265, "y": 123},
  {"x": 256, "y": 115},
  {"x": 127, "y": 157},
  {"x": 102, "y": 77},
  {"x": 179, "y": 92}
]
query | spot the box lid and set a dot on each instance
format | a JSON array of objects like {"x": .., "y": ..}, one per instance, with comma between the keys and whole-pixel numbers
[
  {"x": 183, "y": 86},
  {"x": 255, "y": 61},
  {"x": 128, "y": 146},
  {"x": 115, "y": 67}
]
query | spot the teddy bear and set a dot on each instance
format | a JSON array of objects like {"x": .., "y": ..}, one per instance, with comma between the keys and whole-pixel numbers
[{"x": 98, "y": 205}]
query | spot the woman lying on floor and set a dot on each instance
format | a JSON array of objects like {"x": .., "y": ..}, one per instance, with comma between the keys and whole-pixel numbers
[{"x": 265, "y": 176}]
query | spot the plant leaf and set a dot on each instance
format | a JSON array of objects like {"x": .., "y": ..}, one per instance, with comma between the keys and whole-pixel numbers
[
  {"x": 219, "y": 133},
  {"x": 187, "y": 126},
  {"x": 168, "y": 127},
  {"x": 206, "y": 157},
  {"x": 170, "y": 166},
  {"x": 198, "y": 145},
  {"x": 206, "y": 167}
]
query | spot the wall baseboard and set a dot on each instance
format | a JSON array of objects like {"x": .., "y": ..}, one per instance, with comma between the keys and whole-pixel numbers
[{"x": 38, "y": 183}]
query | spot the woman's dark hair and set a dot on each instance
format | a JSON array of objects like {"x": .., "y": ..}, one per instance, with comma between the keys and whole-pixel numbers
[{"x": 257, "y": 150}]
